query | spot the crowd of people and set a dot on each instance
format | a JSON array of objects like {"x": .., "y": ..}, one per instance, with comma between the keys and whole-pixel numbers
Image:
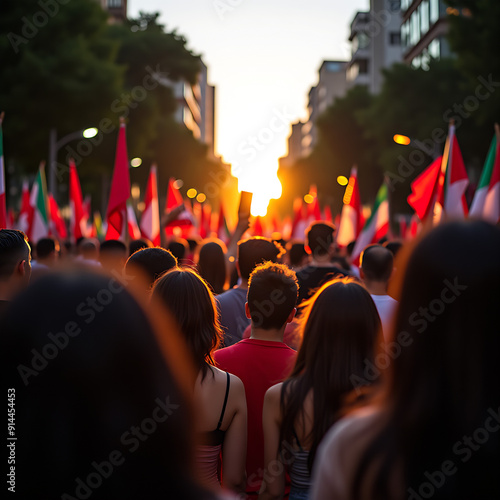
[{"x": 261, "y": 369}]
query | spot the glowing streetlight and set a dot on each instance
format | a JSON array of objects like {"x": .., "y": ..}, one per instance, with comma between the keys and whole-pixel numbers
[
  {"x": 401, "y": 139},
  {"x": 136, "y": 162},
  {"x": 191, "y": 192},
  {"x": 88, "y": 133},
  {"x": 342, "y": 180},
  {"x": 308, "y": 198},
  {"x": 201, "y": 197}
]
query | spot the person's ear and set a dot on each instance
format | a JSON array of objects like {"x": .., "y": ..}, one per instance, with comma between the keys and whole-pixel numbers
[
  {"x": 21, "y": 268},
  {"x": 247, "y": 311},
  {"x": 307, "y": 248},
  {"x": 291, "y": 315},
  {"x": 361, "y": 273}
]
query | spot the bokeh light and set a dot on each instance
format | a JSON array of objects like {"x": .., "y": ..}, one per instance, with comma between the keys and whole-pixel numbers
[
  {"x": 191, "y": 192},
  {"x": 136, "y": 162},
  {"x": 201, "y": 197}
]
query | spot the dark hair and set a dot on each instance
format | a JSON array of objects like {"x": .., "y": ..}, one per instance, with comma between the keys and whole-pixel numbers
[
  {"x": 377, "y": 263},
  {"x": 84, "y": 379},
  {"x": 45, "y": 246},
  {"x": 179, "y": 248},
  {"x": 139, "y": 244},
  {"x": 394, "y": 247},
  {"x": 320, "y": 237},
  {"x": 340, "y": 262},
  {"x": 152, "y": 261},
  {"x": 212, "y": 265},
  {"x": 340, "y": 324},
  {"x": 296, "y": 252},
  {"x": 272, "y": 295},
  {"x": 254, "y": 251},
  {"x": 113, "y": 246},
  {"x": 192, "y": 304},
  {"x": 444, "y": 383},
  {"x": 350, "y": 247},
  {"x": 14, "y": 248}
]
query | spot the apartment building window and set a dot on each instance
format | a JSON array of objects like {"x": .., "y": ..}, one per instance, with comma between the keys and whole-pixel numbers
[
  {"x": 363, "y": 66},
  {"x": 405, "y": 35},
  {"x": 405, "y": 4},
  {"x": 435, "y": 48},
  {"x": 424, "y": 17},
  {"x": 395, "y": 38},
  {"x": 414, "y": 28},
  {"x": 114, "y": 3},
  {"x": 434, "y": 12}
]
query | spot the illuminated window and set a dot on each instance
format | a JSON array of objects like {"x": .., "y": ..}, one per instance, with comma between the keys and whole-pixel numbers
[
  {"x": 434, "y": 13},
  {"x": 424, "y": 17},
  {"x": 114, "y": 3}
]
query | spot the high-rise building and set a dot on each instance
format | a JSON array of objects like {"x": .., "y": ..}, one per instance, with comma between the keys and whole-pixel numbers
[
  {"x": 331, "y": 84},
  {"x": 375, "y": 43},
  {"x": 117, "y": 9},
  {"x": 295, "y": 149},
  {"x": 423, "y": 31}
]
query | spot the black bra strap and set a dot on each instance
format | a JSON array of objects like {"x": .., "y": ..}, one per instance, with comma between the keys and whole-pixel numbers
[{"x": 225, "y": 402}]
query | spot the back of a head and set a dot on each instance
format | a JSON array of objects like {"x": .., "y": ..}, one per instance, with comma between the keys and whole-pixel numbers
[
  {"x": 88, "y": 369},
  {"x": 320, "y": 237},
  {"x": 179, "y": 248},
  {"x": 254, "y": 251},
  {"x": 394, "y": 247},
  {"x": 340, "y": 326},
  {"x": 45, "y": 247},
  {"x": 189, "y": 299},
  {"x": 139, "y": 244},
  {"x": 113, "y": 247},
  {"x": 113, "y": 255},
  {"x": 443, "y": 384},
  {"x": 152, "y": 262},
  {"x": 14, "y": 248},
  {"x": 88, "y": 248},
  {"x": 377, "y": 263},
  {"x": 212, "y": 265},
  {"x": 272, "y": 295},
  {"x": 296, "y": 253}
]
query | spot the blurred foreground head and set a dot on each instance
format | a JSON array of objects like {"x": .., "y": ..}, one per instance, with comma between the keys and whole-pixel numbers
[{"x": 99, "y": 410}]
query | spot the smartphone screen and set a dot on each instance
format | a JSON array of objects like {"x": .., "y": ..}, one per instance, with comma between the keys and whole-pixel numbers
[{"x": 245, "y": 203}]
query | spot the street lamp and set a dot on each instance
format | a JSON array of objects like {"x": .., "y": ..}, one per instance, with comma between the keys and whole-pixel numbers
[
  {"x": 431, "y": 149},
  {"x": 55, "y": 145}
]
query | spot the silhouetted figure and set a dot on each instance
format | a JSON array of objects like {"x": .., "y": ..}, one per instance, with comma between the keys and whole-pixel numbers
[
  {"x": 148, "y": 264},
  {"x": 139, "y": 244},
  {"x": 432, "y": 430},
  {"x": 113, "y": 256}
]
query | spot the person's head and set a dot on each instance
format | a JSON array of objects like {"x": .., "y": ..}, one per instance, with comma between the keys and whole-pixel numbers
[
  {"x": 47, "y": 250},
  {"x": 151, "y": 263},
  {"x": 376, "y": 264},
  {"x": 296, "y": 254},
  {"x": 189, "y": 299},
  {"x": 272, "y": 296},
  {"x": 340, "y": 326},
  {"x": 394, "y": 247},
  {"x": 179, "y": 248},
  {"x": 87, "y": 383},
  {"x": 254, "y": 251},
  {"x": 15, "y": 260},
  {"x": 139, "y": 244},
  {"x": 212, "y": 264},
  {"x": 320, "y": 239},
  {"x": 88, "y": 248},
  {"x": 444, "y": 382},
  {"x": 113, "y": 255}
]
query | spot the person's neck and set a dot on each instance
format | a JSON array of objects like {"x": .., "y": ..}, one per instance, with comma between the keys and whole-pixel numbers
[
  {"x": 243, "y": 285},
  {"x": 376, "y": 287},
  {"x": 321, "y": 261},
  {"x": 273, "y": 334},
  {"x": 6, "y": 290}
]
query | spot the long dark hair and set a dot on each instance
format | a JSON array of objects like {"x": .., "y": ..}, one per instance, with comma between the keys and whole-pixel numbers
[
  {"x": 444, "y": 385},
  {"x": 340, "y": 327},
  {"x": 191, "y": 302},
  {"x": 212, "y": 264},
  {"x": 95, "y": 401}
]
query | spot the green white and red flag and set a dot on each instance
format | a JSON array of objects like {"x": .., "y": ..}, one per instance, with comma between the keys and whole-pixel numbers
[
  {"x": 486, "y": 202},
  {"x": 376, "y": 226},
  {"x": 39, "y": 226},
  {"x": 351, "y": 217},
  {"x": 150, "y": 219}
]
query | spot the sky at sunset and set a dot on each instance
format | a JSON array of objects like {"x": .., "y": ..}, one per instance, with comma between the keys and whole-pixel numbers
[{"x": 263, "y": 56}]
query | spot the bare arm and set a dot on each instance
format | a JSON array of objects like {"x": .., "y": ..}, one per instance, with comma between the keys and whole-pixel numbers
[
  {"x": 234, "y": 448},
  {"x": 273, "y": 485}
]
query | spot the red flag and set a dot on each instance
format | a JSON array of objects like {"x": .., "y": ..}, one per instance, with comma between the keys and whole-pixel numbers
[
  {"x": 150, "y": 220},
  {"x": 425, "y": 189},
  {"x": 258, "y": 227},
  {"x": 78, "y": 221},
  {"x": 174, "y": 199},
  {"x": 205, "y": 220},
  {"x": 133, "y": 228},
  {"x": 120, "y": 191},
  {"x": 23, "y": 222},
  {"x": 57, "y": 224},
  {"x": 299, "y": 224},
  {"x": 413, "y": 228},
  {"x": 222, "y": 229},
  {"x": 351, "y": 218},
  {"x": 328, "y": 214},
  {"x": 314, "y": 211}
]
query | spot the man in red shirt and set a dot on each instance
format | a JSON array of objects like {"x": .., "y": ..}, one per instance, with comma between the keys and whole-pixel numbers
[{"x": 263, "y": 359}]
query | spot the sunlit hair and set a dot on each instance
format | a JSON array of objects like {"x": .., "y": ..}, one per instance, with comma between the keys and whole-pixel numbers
[
  {"x": 190, "y": 300},
  {"x": 257, "y": 250},
  {"x": 443, "y": 384},
  {"x": 339, "y": 326}
]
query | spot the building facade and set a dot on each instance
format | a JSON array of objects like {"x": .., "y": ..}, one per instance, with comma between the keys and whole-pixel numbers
[
  {"x": 117, "y": 9},
  {"x": 375, "y": 38},
  {"x": 423, "y": 31}
]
